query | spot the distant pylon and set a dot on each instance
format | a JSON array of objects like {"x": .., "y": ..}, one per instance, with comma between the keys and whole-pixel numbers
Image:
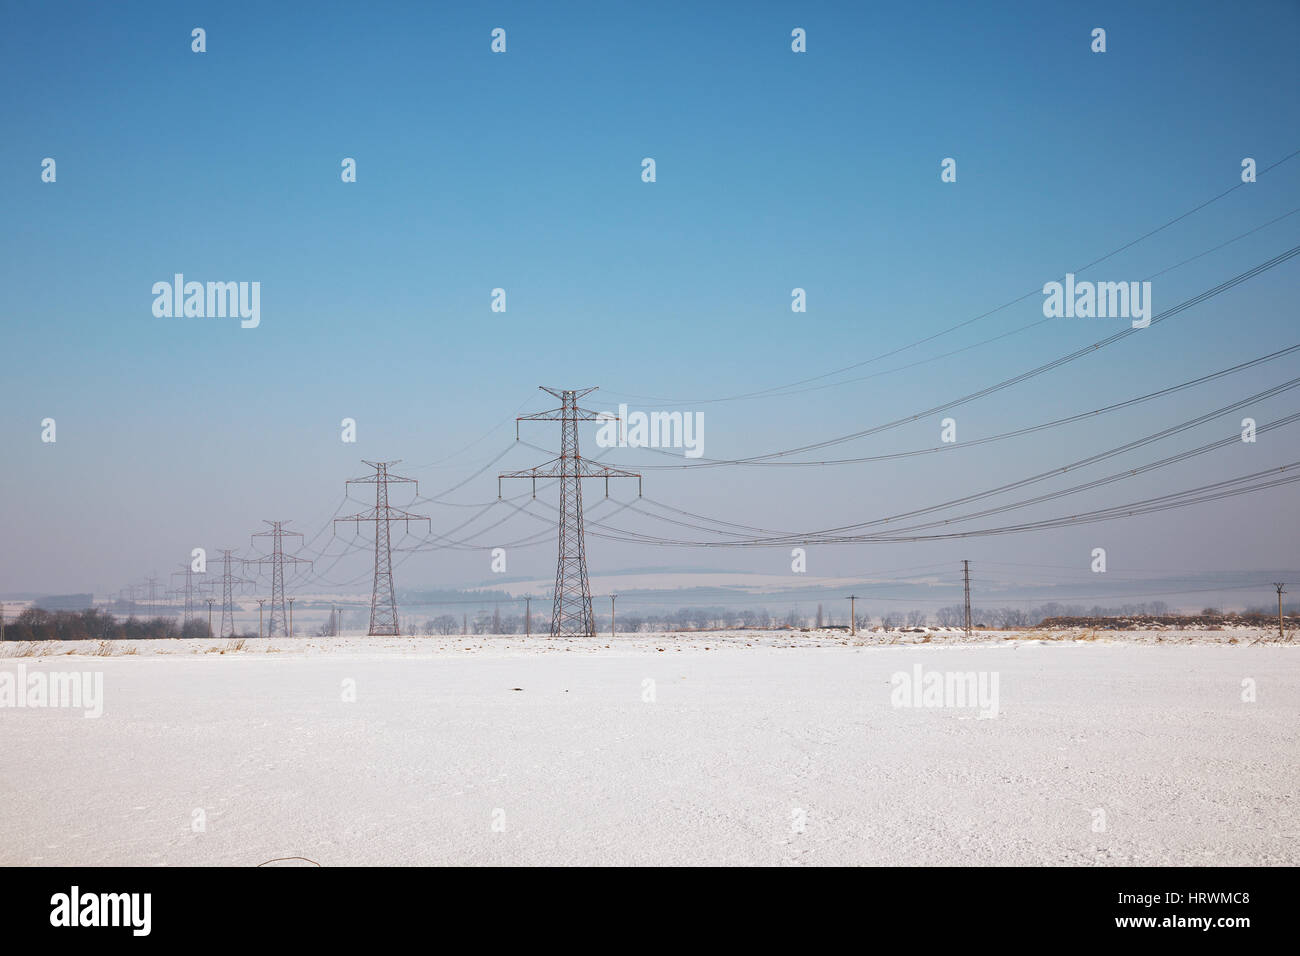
[
  {"x": 571, "y": 613},
  {"x": 383, "y": 597},
  {"x": 277, "y": 559},
  {"x": 153, "y": 593},
  {"x": 228, "y": 580},
  {"x": 187, "y": 592}
]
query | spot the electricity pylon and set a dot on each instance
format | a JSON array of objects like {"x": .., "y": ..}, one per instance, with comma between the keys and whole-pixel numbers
[
  {"x": 277, "y": 559},
  {"x": 153, "y": 594},
  {"x": 571, "y": 612},
  {"x": 228, "y": 580},
  {"x": 383, "y": 598},
  {"x": 187, "y": 592}
]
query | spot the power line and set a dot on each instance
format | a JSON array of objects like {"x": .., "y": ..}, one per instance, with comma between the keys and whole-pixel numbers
[
  {"x": 1037, "y": 290},
  {"x": 1016, "y": 379},
  {"x": 1018, "y": 432}
]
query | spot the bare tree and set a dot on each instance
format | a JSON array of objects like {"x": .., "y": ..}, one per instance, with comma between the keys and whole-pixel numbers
[
  {"x": 444, "y": 624},
  {"x": 1014, "y": 617}
]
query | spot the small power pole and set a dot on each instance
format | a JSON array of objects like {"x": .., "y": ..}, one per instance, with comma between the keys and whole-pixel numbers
[
  {"x": 260, "y": 603},
  {"x": 613, "y": 631},
  {"x": 1280, "y": 634},
  {"x": 291, "y": 617},
  {"x": 210, "y": 603},
  {"x": 966, "y": 574},
  {"x": 853, "y": 615},
  {"x": 528, "y": 617}
]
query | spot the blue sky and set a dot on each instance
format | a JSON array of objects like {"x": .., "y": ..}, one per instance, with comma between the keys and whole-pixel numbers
[{"x": 522, "y": 171}]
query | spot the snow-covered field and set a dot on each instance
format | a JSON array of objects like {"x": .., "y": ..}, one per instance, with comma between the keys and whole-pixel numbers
[{"x": 726, "y": 748}]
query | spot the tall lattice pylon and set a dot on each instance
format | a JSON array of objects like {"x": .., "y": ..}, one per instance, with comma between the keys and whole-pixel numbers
[
  {"x": 187, "y": 592},
  {"x": 571, "y": 611},
  {"x": 383, "y": 598},
  {"x": 277, "y": 560},
  {"x": 228, "y": 581}
]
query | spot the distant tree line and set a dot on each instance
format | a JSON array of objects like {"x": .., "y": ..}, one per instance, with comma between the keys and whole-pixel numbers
[
  {"x": 954, "y": 615},
  {"x": 720, "y": 618},
  {"x": 36, "y": 624}
]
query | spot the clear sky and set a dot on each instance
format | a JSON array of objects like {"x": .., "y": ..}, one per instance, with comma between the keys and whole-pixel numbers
[{"x": 523, "y": 171}]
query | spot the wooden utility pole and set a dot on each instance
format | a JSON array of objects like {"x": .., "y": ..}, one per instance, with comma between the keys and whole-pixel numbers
[
  {"x": 528, "y": 617},
  {"x": 966, "y": 574},
  {"x": 291, "y": 617},
  {"x": 261, "y": 602},
  {"x": 613, "y": 631},
  {"x": 1281, "y": 636},
  {"x": 210, "y": 602},
  {"x": 853, "y": 615}
]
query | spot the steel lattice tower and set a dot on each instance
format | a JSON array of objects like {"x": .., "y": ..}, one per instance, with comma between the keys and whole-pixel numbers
[
  {"x": 571, "y": 612},
  {"x": 188, "y": 592},
  {"x": 383, "y": 597},
  {"x": 228, "y": 580},
  {"x": 153, "y": 593},
  {"x": 277, "y": 559}
]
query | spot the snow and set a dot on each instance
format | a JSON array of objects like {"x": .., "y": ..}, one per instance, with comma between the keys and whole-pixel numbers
[{"x": 746, "y": 734}]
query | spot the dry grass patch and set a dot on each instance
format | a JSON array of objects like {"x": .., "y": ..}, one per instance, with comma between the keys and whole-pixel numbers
[{"x": 29, "y": 649}]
